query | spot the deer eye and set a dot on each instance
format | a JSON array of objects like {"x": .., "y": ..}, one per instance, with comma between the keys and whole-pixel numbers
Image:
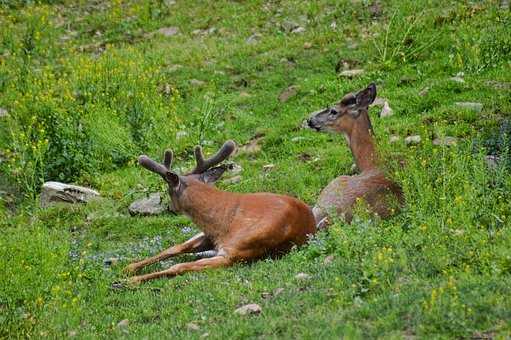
[{"x": 333, "y": 112}]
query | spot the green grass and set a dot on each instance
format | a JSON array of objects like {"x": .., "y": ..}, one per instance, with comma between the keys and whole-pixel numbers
[{"x": 88, "y": 89}]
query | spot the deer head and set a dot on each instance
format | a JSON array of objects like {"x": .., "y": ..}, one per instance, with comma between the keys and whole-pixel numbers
[
  {"x": 205, "y": 170},
  {"x": 344, "y": 115}
]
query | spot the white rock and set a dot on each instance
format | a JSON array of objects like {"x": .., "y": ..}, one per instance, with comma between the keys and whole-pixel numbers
[
  {"x": 3, "y": 112},
  {"x": 476, "y": 107},
  {"x": 351, "y": 73},
  {"x": 197, "y": 82},
  {"x": 254, "y": 38},
  {"x": 447, "y": 141},
  {"x": 302, "y": 276},
  {"x": 168, "y": 31},
  {"x": 147, "y": 206},
  {"x": 413, "y": 140},
  {"x": 268, "y": 167},
  {"x": 457, "y": 80},
  {"x": 492, "y": 161},
  {"x": 299, "y": 29},
  {"x": 55, "y": 192},
  {"x": 123, "y": 323},
  {"x": 386, "y": 111},
  {"x": 394, "y": 139},
  {"x": 192, "y": 326},
  {"x": 181, "y": 134},
  {"x": 232, "y": 180},
  {"x": 251, "y": 308}
]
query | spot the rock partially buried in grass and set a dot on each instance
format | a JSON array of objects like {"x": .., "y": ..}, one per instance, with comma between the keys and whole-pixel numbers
[
  {"x": 197, "y": 82},
  {"x": 302, "y": 276},
  {"x": 445, "y": 141},
  {"x": 351, "y": 73},
  {"x": 168, "y": 31},
  {"x": 251, "y": 308},
  {"x": 3, "y": 113},
  {"x": 123, "y": 324},
  {"x": 192, "y": 326},
  {"x": 288, "y": 93},
  {"x": 148, "y": 206},
  {"x": 386, "y": 111},
  {"x": 413, "y": 140},
  {"x": 492, "y": 161},
  {"x": 476, "y": 107},
  {"x": 56, "y": 192},
  {"x": 394, "y": 139},
  {"x": 328, "y": 259}
]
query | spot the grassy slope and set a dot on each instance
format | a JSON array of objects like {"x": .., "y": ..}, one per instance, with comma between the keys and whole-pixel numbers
[{"x": 442, "y": 267}]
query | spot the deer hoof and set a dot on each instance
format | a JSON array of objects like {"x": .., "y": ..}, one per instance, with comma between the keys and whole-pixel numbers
[
  {"x": 130, "y": 269},
  {"x": 134, "y": 281}
]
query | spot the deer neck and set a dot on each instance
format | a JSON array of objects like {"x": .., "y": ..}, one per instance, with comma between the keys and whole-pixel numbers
[
  {"x": 207, "y": 207},
  {"x": 362, "y": 146}
]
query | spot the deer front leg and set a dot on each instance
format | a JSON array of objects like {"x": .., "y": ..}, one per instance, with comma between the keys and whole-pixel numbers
[
  {"x": 197, "y": 243},
  {"x": 178, "y": 269}
]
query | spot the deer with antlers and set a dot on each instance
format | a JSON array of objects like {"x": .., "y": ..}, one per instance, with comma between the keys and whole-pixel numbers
[
  {"x": 350, "y": 117},
  {"x": 237, "y": 227}
]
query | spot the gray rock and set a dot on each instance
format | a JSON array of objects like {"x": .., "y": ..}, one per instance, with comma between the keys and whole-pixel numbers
[
  {"x": 288, "y": 93},
  {"x": 445, "y": 141},
  {"x": 386, "y": 111},
  {"x": 424, "y": 92},
  {"x": 232, "y": 180},
  {"x": 251, "y": 308},
  {"x": 302, "y": 276},
  {"x": 123, "y": 323},
  {"x": 413, "y": 140},
  {"x": 3, "y": 112},
  {"x": 378, "y": 101},
  {"x": 254, "y": 38},
  {"x": 268, "y": 167},
  {"x": 197, "y": 82},
  {"x": 181, "y": 134},
  {"x": 351, "y": 73},
  {"x": 499, "y": 85},
  {"x": 394, "y": 139},
  {"x": 56, "y": 192},
  {"x": 298, "y": 29},
  {"x": 192, "y": 326},
  {"x": 476, "y": 107},
  {"x": 148, "y": 206},
  {"x": 328, "y": 259},
  {"x": 457, "y": 79},
  {"x": 492, "y": 161},
  {"x": 168, "y": 31}
]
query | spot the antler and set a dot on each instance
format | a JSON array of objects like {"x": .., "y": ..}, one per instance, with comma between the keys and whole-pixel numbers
[
  {"x": 154, "y": 166},
  {"x": 202, "y": 165}
]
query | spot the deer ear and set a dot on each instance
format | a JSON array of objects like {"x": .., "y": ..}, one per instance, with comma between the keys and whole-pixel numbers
[
  {"x": 172, "y": 178},
  {"x": 212, "y": 175},
  {"x": 366, "y": 96}
]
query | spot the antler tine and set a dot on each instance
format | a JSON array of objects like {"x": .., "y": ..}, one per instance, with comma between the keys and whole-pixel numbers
[
  {"x": 202, "y": 165},
  {"x": 151, "y": 165},
  {"x": 167, "y": 159}
]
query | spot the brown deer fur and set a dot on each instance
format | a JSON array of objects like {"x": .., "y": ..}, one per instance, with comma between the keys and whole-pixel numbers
[
  {"x": 239, "y": 227},
  {"x": 350, "y": 117}
]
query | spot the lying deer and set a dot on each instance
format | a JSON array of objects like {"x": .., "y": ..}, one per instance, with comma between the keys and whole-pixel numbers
[
  {"x": 238, "y": 227},
  {"x": 383, "y": 196}
]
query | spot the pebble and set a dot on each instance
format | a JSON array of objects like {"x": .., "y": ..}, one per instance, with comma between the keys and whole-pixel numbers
[
  {"x": 302, "y": 276},
  {"x": 386, "y": 111},
  {"x": 445, "y": 141},
  {"x": 413, "y": 140},
  {"x": 351, "y": 73},
  {"x": 288, "y": 93},
  {"x": 251, "y": 308},
  {"x": 476, "y": 107}
]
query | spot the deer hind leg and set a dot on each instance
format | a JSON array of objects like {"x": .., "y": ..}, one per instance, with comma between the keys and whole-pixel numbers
[
  {"x": 198, "y": 243},
  {"x": 181, "y": 268}
]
